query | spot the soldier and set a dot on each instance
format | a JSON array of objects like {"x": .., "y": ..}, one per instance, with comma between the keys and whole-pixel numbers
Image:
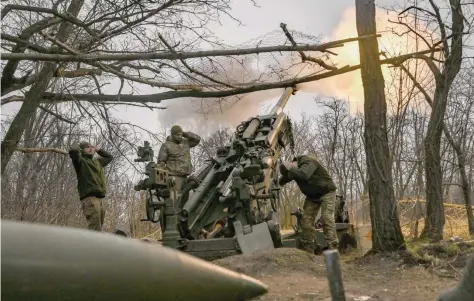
[
  {"x": 320, "y": 191},
  {"x": 91, "y": 182},
  {"x": 340, "y": 216},
  {"x": 175, "y": 154}
]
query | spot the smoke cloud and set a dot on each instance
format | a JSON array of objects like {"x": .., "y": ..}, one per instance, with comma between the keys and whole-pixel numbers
[
  {"x": 349, "y": 85},
  {"x": 206, "y": 115},
  {"x": 210, "y": 113}
]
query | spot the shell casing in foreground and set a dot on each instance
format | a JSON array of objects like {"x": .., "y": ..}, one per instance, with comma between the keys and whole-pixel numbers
[{"x": 41, "y": 262}]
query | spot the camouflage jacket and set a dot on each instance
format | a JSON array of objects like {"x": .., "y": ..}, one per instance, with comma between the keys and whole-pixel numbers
[
  {"x": 311, "y": 177},
  {"x": 90, "y": 172},
  {"x": 177, "y": 157}
]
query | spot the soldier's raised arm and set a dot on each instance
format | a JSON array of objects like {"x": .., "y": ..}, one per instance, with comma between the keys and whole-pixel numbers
[
  {"x": 305, "y": 170},
  {"x": 75, "y": 155},
  {"x": 285, "y": 177},
  {"x": 106, "y": 157},
  {"x": 193, "y": 138}
]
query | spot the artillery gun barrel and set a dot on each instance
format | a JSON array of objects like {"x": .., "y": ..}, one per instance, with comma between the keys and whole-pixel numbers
[
  {"x": 199, "y": 192},
  {"x": 278, "y": 108},
  {"x": 44, "y": 263},
  {"x": 251, "y": 129}
]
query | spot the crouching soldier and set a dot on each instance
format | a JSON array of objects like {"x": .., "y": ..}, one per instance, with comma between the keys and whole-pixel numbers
[
  {"x": 175, "y": 155},
  {"x": 317, "y": 185},
  {"x": 91, "y": 181}
]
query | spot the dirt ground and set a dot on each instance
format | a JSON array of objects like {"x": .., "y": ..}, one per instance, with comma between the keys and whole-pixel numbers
[{"x": 292, "y": 274}]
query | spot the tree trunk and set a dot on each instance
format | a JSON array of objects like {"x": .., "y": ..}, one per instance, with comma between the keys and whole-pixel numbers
[
  {"x": 466, "y": 189},
  {"x": 35, "y": 94},
  {"x": 386, "y": 230},
  {"x": 465, "y": 184},
  {"x": 434, "y": 223}
]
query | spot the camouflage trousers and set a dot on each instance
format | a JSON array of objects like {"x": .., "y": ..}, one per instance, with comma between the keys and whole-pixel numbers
[
  {"x": 177, "y": 190},
  {"x": 93, "y": 209},
  {"x": 310, "y": 211}
]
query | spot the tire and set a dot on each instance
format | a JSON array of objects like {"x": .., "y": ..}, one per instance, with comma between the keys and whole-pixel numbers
[{"x": 274, "y": 229}]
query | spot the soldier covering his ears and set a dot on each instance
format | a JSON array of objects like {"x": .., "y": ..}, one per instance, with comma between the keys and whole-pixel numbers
[
  {"x": 175, "y": 154},
  {"x": 91, "y": 183},
  {"x": 317, "y": 185}
]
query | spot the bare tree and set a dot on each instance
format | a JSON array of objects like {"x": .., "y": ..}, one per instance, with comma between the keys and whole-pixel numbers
[
  {"x": 42, "y": 186},
  {"x": 387, "y": 234},
  {"x": 459, "y": 133},
  {"x": 151, "y": 43},
  {"x": 451, "y": 40}
]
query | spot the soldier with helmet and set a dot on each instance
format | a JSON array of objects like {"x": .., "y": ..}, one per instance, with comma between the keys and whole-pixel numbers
[
  {"x": 91, "y": 181},
  {"x": 317, "y": 185},
  {"x": 175, "y": 155}
]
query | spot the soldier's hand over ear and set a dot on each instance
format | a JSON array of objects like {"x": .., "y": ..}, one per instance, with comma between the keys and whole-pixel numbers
[{"x": 287, "y": 165}]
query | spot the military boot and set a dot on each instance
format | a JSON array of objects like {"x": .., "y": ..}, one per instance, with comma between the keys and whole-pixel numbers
[{"x": 307, "y": 247}]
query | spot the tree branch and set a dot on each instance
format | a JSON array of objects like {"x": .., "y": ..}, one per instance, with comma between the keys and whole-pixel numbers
[
  {"x": 442, "y": 28},
  {"x": 158, "y": 97},
  {"x": 304, "y": 58},
  {"x": 41, "y": 150},
  {"x": 111, "y": 69},
  {"x": 190, "y": 68},
  {"x": 176, "y": 55},
  {"x": 420, "y": 55},
  {"x": 56, "y": 115}
]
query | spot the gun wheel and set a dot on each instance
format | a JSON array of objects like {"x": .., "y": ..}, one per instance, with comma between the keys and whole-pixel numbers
[
  {"x": 274, "y": 229},
  {"x": 275, "y": 200}
]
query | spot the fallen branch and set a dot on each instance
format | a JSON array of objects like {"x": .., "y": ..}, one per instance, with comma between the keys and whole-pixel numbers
[
  {"x": 41, "y": 150},
  {"x": 76, "y": 73},
  {"x": 173, "y": 55},
  {"x": 158, "y": 97}
]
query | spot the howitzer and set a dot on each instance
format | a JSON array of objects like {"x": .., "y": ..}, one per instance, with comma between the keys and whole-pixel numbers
[
  {"x": 42, "y": 262},
  {"x": 229, "y": 205}
]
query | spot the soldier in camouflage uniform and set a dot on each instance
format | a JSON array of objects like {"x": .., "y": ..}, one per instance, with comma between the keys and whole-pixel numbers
[
  {"x": 320, "y": 191},
  {"x": 175, "y": 154},
  {"x": 91, "y": 182}
]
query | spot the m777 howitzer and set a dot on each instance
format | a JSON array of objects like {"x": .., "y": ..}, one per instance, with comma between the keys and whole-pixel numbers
[
  {"x": 43, "y": 262},
  {"x": 228, "y": 205}
]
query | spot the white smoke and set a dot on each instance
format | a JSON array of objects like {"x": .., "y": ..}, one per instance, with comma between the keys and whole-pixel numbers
[{"x": 207, "y": 115}]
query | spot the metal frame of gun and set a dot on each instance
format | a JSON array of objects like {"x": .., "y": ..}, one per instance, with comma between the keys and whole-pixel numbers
[{"x": 160, "y": 204}]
